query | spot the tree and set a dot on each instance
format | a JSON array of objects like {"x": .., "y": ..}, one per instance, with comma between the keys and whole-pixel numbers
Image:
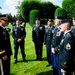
[
  {"x": 60, "y": 12},
  {"x": 69, "y": 6},
  {"x": 33, "y": 15}
]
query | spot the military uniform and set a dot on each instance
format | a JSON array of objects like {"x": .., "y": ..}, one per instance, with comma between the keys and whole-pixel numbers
[
  {"x": 57, "y": 35},
  {"x": 38, "y": 39},
  {"x": 47, "y": 41},
  {"x": 18, "y": 32},
  {"x": 5, "y": 49},
  {"x": 66, "y": 53}
]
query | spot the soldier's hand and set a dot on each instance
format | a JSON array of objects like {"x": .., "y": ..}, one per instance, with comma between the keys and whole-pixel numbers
[
  {"x": 52, "y": 49},
  {"x": 63, "y": 71},
  {"x": 19, "y": 40},
  {"x": 5, "y": 58},
  {"x": 45, "y": 45}
]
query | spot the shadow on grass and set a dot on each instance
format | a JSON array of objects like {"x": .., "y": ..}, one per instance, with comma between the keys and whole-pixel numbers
[
  {"x": 12, "y": 74},
  {"x": 50, "y": 72}
]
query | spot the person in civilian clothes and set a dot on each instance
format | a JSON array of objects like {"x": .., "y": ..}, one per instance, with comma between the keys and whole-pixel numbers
[
  {"x": 5, "y": 47},
  {"x": 38, "y": 38},
  {"x": 47, "y": 41},
  {"x": 18, "y": 34},
  {"x": 57, "y": 35}
]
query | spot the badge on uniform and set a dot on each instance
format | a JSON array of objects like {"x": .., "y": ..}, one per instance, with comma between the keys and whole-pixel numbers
[
  {"x": 34, "y": 29},
  {"x": 4, "y": 32},
  {"x": 58, "y": 33},
  {"x": 15, "y": 32},
  {"x": 22, "y": 29},
  {"x": 68, "y": 46},
  {"x": 40, "y": 28}
]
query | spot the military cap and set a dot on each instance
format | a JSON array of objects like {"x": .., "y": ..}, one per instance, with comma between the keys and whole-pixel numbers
[
  {"x": 4, "y": 17},
  {"x": 37, "y": 18},
  {"x": 50, "y": 20},
  {"x": 58, "y": 17},
  {"x": 18, "y": 19},
  {"x": 73, "y": 18},
  {"x": 66, "y": 21}
]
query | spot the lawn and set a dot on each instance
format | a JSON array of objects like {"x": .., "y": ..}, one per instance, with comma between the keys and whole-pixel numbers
[{"x": 31, "y": 67}]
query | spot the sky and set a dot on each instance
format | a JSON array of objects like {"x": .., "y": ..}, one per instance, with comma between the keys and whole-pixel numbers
[{"x": 8, "y": 6}]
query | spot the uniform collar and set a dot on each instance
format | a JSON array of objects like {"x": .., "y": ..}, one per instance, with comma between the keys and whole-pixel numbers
[{"x": 66, "y": 32}]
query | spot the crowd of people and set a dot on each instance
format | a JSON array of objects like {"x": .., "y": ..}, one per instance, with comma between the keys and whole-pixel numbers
[{"x": 58, "y": 38}]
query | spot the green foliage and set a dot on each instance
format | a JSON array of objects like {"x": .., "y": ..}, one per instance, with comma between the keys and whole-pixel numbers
[
  {"x": 69, "y": 6},
  {"x": 46, "y": 9},
  {"x": 33, "y": 15},
  {"x": 60, "y": 12}
]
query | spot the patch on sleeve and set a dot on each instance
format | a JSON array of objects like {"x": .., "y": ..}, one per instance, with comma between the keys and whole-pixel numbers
[
  {"x": 68, "y": 46},
  {"x": 58, "y": 33}
]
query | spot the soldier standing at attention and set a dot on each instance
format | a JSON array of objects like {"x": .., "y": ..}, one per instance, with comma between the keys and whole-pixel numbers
[
  {"x": 47, "y": 41},
  {"x": 66, "y": 49},
  {"x": 18, "y": 34},
  {"x": 73, "y": 28},
  {"x": 5, "y": 47},
  {"x": 38, "y": 38},
  {"x": 57, "y": 35}
]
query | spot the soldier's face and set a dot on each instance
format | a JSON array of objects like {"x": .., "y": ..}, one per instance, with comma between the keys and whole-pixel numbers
[
  {"x": 38, "y": 22},
  {"x": 73, "y": 22},
  {"x": 49, "y": 23},
  {"x": 17, "y": 22},
  {"x": 4, "y": 23},
  {"x": 57, "y": 22}
]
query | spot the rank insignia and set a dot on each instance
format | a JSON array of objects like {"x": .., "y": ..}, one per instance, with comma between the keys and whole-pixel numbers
[
  {"x": 40, "y": 28},
  {"x": 22, "y": 29},
  {"x": 58, "y": 33},
  {"x": 68, "y": 46}
]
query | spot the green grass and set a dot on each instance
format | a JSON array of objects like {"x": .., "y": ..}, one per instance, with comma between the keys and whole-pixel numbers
[{"x": 32, "y": 67}]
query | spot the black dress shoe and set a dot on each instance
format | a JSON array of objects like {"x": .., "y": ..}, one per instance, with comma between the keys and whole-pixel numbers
[{"x": 25, "y": 60}]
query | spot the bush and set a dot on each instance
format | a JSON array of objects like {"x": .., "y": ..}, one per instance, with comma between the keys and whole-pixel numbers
[
  {"x": 60, "y": 12},
  {"x": 33, "y": 15},
  {"x": 69, "y": 6}
]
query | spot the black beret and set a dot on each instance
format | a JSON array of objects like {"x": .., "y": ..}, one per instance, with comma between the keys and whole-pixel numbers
[
  {"x": 50, "y": 20},
  {"x": 58, "y": 17},
  {"x": 66, "y": 21},
  {"x": 73, "y": 18},
  {"x": 18, "y": 19},
  {"x": 37, "y": 18},
  {"x": 4, "y": 17}
]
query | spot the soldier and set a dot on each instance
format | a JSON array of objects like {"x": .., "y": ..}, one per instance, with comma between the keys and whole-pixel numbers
[
  {"x": 5, "y": 47},
  {"x": 18, "y": 34},
  {"x": 57, "y": 35},
  {"x": 66, "y": 49},
  {"x": 73, "y": 28},
  {"x": 38, "y": 38},
  {"x": 47, "y": 41}
]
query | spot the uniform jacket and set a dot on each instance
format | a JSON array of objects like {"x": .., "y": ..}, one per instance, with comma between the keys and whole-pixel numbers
[
  {"x": 18, "y": 32},
  {"x": 67, "y": 52},
  {"x": 57, "y": 35},
  {"x": 38, "y": 33},
  {"x": 48, "y": 35},
  {"x": 5, "y": 46}
]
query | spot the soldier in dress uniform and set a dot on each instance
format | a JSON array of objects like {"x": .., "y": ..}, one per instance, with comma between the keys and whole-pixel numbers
[
  {"x": 38, "y": 38},
  {"x": 66, "y": 49},
  {"x": 48, "y": 39},
  {"x": 18, "y": 34},
  {"x": 57, "y": 35},
  {"x": 5, "y": 47},
  {"x": 73, "y": 28}
]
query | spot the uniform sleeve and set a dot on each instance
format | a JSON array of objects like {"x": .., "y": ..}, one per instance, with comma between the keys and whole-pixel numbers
[
  {"x": 13, "y": 34},
  {"x": 45, "y": 36},
  {"x": 24, "y": 34},
  {"x": 67, "y": 53},
  {"x": 33, "y": 33}
]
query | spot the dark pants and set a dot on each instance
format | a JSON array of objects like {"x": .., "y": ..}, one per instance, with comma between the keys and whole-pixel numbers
[
  {"x": 56, "y": 71},
  {"x": 49, "y": 56},
  {"x": 6, "y": 66},
  {"x": 38, "y": 49},
  {"x": 16, "y": 47}
]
